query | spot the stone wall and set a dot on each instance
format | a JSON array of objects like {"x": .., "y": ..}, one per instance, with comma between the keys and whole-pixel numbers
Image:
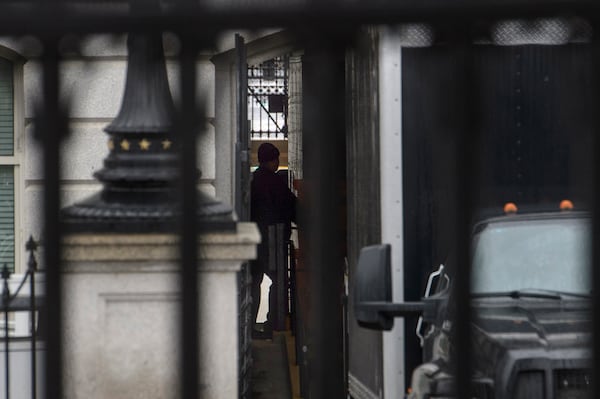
[
  {"x": 92, "y": 84},
  {"x": 121, "y": 314}
]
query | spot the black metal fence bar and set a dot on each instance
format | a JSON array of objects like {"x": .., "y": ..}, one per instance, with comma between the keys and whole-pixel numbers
[
  {"x": 467, "y": 186},
  {"x": 292, "y": 286},
  {"x": 243, "y": 139},
  {"x": 189, "y": 230},
  {"x": 50, "y": 128},
  {"x": 245, "y": 335},
  {"x": 242, "y": 209},
  {"x": 324, "y": 132},
  {"x": 318, "y": 127},
  {"x": 6, "y": 299},
  {"x": 596, "y": 223},
  {"x": 23, "y": 17},
  {"x": 33, "y": 317}
]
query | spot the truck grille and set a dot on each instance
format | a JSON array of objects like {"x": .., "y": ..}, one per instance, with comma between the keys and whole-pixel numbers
[
  {"x": 572, "y": 384},
  {"x": 530, "y": 384},
  {"x": 568, "y": 384}
]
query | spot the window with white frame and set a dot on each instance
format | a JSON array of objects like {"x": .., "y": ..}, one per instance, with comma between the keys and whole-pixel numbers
[{"x": 8, "y": 164}]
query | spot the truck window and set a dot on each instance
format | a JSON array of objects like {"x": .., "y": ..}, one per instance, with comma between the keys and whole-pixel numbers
[{"x": 533, "y": 255}]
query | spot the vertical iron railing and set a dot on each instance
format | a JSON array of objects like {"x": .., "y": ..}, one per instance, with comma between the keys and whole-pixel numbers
[
  {"x": 242, "y": 178},
  {"x": 6, "y": 300},
  {"x": 322, "y": 131},
  {"x": 51, "y": 128},
  {"x": 291, "y": 288},
  {"x": 31, "y": 247},
  {"x": 245, "y": 332},
  {"x": 242, "y": 208},
  {"x": 16, "y": 302},
  {"x": 595, "y": 272},
  {"x": 189, "y": 228},
  {"x": 466, "y": 156},
  {"x": 323, "y": 124}
]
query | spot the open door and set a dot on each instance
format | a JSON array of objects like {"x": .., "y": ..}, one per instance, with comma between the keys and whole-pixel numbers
[{"x": 242, "y": 175}]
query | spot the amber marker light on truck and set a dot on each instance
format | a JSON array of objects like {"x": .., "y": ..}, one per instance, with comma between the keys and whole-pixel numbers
[
  {"x": 566, "y": 205},
  {"x": 510, "y": 208}
]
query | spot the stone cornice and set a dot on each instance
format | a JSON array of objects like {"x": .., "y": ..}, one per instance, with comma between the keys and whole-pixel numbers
[{"x": 108, "y": 247}]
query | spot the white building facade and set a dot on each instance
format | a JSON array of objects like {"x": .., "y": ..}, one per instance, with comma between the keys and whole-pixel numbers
[{"x": 92, "y": 84}]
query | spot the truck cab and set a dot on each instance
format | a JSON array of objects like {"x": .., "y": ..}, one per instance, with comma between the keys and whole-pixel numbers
[{"x": 531, "y": 311}]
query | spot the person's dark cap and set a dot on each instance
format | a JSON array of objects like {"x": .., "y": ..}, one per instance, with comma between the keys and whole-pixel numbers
[{"x": 267, "y": 152}]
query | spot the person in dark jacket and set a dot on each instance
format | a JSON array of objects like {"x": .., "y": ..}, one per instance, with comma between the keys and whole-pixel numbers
[{"x": 271, "y": 203}]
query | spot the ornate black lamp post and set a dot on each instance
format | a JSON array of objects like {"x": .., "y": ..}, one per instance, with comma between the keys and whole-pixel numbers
[{"x": 141, "y": 173}]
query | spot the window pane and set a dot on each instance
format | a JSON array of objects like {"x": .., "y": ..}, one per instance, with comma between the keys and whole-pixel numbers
[
  {"x": 512, "y": 256},
  {"x": 7, "y": 217},
  {"x": 6, "y": 108}
]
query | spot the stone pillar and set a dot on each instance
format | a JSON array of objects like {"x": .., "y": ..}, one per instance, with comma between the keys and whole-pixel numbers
[
  {"x": 121, "y": 314},
  {"x": 294, "y": 121}
]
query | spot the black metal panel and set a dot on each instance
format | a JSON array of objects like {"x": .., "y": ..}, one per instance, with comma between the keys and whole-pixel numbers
[
  {"x": 364, "y": 200},
  {"x": 550, "y": 150},
  {"x": 532, "y": 133},
  {"x": 536, "y": 124}
]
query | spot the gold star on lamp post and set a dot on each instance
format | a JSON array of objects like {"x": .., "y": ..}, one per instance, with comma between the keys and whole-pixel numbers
[
  {"x": 144, "y": 144},
  {"x": 166, "y": 144},
  {"x": 125, "y": 145}
]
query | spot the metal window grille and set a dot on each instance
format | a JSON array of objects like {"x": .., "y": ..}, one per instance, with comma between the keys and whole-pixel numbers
[
  {"x": 268, "y": 99},
  {"x": 325, "y": 28}
]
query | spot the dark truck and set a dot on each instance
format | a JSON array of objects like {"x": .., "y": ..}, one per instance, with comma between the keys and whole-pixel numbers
[{"x": 531, "y": 310}]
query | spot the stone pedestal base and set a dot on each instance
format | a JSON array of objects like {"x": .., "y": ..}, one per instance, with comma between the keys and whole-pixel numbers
[{"x": 122, "y": 314}]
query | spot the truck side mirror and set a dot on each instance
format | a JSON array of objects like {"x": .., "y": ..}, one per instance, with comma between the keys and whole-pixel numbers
[
  {"x": 373, "y": 307},
  {"x": 373, "y": 284}
]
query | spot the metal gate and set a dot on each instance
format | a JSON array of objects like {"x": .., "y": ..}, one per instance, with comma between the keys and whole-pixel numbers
[
  {"x": 326, "y": 30},
  {"x": 20, "y": 308},
  {"x": 268, "y": 99}
]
